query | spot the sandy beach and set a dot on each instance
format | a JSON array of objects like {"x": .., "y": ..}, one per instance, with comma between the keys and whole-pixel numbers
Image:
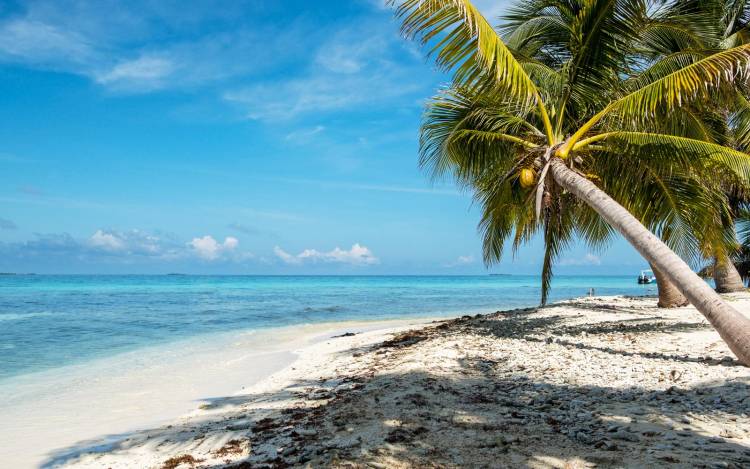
[
  {"x": 593, "y": 382},
  {"x": 50, "y": 417}
]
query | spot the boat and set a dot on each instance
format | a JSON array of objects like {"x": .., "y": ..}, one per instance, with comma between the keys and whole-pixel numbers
[{"x": 646, "y": 277}]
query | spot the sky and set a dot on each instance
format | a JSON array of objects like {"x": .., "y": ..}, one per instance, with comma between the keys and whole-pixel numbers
[{"x": 230, "y": 137}]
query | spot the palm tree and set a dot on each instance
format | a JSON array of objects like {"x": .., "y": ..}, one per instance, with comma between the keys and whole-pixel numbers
[
  {"x": 650, "y": 31},
  {"x": 566, "y": 123},
  {"x": 669, "y": 295},
  {"x": 697, "y": 29},
  {"x": 733, "y": 16}
]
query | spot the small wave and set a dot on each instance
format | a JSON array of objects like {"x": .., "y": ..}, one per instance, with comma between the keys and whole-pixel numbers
[{"x": 21, "y": 316}]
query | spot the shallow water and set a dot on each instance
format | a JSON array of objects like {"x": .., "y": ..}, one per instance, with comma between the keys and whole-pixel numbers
[{"x": 53, "y": 321}]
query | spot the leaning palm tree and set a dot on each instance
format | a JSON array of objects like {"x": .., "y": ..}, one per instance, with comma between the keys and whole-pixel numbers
[
  {"x": 564, "y": 124},
  {"x": 634, "y": 48}
]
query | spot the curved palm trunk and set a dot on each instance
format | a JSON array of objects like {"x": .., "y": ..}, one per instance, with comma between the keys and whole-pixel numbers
[
  {"x": 726, "y": 277},
  {"x": 669, "y": 295},
  {"x": 731, "y": 325}
]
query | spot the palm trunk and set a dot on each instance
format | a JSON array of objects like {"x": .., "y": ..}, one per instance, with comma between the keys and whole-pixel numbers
[
  {"x": 726, "y": 277},
  {"x": 732, "y": 326},
  {"x": 669, "y": 295}
]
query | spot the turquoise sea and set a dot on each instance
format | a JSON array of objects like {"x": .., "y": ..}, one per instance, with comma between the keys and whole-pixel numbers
[{"x": 48, "y": 321}]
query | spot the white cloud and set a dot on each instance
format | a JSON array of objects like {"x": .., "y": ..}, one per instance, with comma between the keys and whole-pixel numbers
[
  {"x": 133, "y": 242},
  {"x": 124, "y": 247},
  {"x": 304, "y": 135},
  {"x": 347, "y": 54},
  {"x": 102, "y": 40},
  {"x": 357, "y": 255},
  {"x": 348, "y": 72},
  {"x": 588, "y": 259},
  {"x": 108, "y": 241},
  {"x": 209, "y": 249},
  {"x": 28, "y": 40},
  {"x": 285, "y": 256},
  {"x": 142, "y": 45},
  {"x": 461, "y": 260},
  {"x": 230, "y": 242},
  {"x": 319, "y": 92},
  {"x": 145, "y": 71}
]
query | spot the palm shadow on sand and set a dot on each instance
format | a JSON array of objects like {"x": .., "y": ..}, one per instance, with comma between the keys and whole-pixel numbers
[{"x": 472, "y": 417}]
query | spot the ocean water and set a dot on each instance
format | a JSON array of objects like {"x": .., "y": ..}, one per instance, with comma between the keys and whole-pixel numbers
[{"x": 53, "y": 321}]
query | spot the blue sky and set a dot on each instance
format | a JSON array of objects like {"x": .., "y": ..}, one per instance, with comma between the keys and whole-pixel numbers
[{"x": 228, "y": 137}]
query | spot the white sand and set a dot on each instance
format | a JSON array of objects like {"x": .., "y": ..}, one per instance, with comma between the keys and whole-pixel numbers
[
  {"x": 596, "y": 382},
  {"x": 51, "y": 416}
]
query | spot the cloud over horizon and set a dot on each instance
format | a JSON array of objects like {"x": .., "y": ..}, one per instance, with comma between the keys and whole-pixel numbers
[
  {"x": 357, "y": 255},
  {"x": 461, "y": 261},
  {"x": 124, "y": 247},
  {"x": 209, "y": 249}
]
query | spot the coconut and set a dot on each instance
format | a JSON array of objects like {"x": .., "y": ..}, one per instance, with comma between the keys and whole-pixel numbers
[{"x": 527, "y": 177}]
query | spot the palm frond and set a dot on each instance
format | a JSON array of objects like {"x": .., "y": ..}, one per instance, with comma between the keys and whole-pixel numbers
[
  {"x": 463, "y": 41},
  {"x": 686, "y": 150},
  {"x": 465, "y": 133},
  {"x": 740, "y": 122},
  {"x": 677, "y": 198},
  {"x": 665, "y": 65},
  {"x": 686, "y": 84},
  {"x": 676, "y": 89}
]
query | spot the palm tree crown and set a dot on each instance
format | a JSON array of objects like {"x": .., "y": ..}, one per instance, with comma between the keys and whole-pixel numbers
[
  {"x": 573, "y": 80},
  {"x": 567, "y": 121}
]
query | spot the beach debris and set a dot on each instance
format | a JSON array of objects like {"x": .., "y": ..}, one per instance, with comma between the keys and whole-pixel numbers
[
  {"x": 233, "y": 447},
  {"x": 405, "y": 339},
  {"x": 264, "y": 425},
  {"x": 404, "y": 435},
  {"x": 184, "y": 460}
]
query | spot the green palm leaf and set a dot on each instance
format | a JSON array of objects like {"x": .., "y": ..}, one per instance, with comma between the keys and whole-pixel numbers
[
  {"x": 687, "y": 150},
  {"x": 688, "y": 84},
  {"x": 463, "y": 41}
]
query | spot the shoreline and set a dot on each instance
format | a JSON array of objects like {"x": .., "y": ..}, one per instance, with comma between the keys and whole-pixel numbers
[
  {"x": 98, "y": 402},
  {"x": 602, "y": 381}
]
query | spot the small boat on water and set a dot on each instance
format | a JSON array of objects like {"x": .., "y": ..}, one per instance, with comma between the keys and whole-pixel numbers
[{"x": 646, "y": 276}]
